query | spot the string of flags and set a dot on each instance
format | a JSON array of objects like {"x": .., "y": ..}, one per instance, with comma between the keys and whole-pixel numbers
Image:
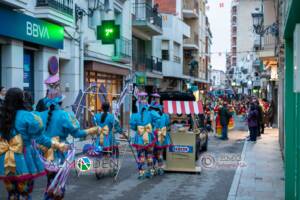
[
  {"x": 220, "y": 53},
  {"x": 221, "y": 4}
]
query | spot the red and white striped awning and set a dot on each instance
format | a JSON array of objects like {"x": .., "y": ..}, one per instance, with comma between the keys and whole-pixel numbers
[{"x": 183, "y": 107}]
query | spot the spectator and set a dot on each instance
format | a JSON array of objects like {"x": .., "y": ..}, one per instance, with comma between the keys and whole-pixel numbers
[
  {"x": 2, "y": 95},
  {"x": 260, "y": 119},
  {"x": 270, "y": 114},
  {"x": 253, "y": 122},
  {"x": 225, "y": 116}
]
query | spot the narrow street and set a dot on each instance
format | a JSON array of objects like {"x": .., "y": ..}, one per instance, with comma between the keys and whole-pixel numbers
[{"x": 211, "y": 184}]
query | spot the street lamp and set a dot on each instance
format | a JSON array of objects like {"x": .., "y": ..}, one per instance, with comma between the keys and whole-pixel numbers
[
  {"x": 258, "y": 18},
  {"x": 258, "y": 25}
]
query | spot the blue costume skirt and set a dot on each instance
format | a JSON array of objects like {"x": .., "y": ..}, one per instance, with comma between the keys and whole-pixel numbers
[{"x": 28, "y": 165}]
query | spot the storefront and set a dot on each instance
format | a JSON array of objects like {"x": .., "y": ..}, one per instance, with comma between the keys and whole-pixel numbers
[
  {"x": 292, "y": 100},
  {"x": 109, "y": 80},
  {"x": 26, "y": 45}
]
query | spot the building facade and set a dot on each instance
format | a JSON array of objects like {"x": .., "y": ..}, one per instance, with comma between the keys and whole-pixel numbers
[
  {"x": 191, "y": 37},
  {"x": 218, "y": 78},
  {"x": 60, "y": 38},
  {"x": 38, "y": 46},
  {"x": 242, "y": 71},
  {"x": 292, "y": 98},
  {"x": 174, "y": 33}
]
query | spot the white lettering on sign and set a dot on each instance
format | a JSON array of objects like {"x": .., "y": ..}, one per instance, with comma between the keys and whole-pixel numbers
[
  {"x": 37, "y": 31},
  {"x": 182, "y": 149}
]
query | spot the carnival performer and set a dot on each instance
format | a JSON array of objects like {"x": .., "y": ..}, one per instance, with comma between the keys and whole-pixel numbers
[
  {"x": 161, "y": 131},
  {"x": 144, "y": 138},
  {"x": 59, "y": 124},
  {"x": 106, "y": 121},
  {"x": 163, "y": 141},
  {"x": 19, "y": 160}
]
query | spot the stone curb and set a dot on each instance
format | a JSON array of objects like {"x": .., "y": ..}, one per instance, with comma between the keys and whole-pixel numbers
[{"x": 237, "y": 176}]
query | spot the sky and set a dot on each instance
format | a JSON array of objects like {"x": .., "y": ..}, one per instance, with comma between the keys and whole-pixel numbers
[{"x": 218, "y": 12}]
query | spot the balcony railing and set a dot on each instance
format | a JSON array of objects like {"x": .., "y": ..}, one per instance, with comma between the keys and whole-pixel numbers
[
  {"x": 144, "y": 12},
  {"x": 147, "y": 63},
  {"x": 191, "y": 5},
  {"x": 65, "y": 6},
  {"x": 194, "y": 39},
  {"x": 269, "y": 41},
  {"x": 123, "y": 50}
]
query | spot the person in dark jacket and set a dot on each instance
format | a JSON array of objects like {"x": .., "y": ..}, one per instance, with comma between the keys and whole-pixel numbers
[
  {"x": 225, "y": 116},
  {"x": 260, "y": 119},
  {"x": 253, "y": 122},
  {"x": 270, "y": 114}
]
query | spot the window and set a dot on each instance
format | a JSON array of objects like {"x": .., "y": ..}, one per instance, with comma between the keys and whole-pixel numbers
[
  {"x": 177, "y": 52},
  {"x": 94, "y": 19},
  {"x": 165, "y": 50}
]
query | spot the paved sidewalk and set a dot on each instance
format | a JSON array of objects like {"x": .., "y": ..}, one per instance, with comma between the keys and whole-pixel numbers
[{"x": 263, "y": 176}]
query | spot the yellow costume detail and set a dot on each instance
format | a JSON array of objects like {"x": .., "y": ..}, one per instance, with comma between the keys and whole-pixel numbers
[
  {"x": 103, "y": 132},
  {"x": 161, "y": 134},
  {"x": 14, "y": 145},
  {"x": 145, "y": 131},
  {"x": 49, "y": 152}
]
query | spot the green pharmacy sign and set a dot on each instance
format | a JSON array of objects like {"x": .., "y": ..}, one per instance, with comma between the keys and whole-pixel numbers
[
  {"x": 141, "y": 78},
  {"x": 108, "y": 32},
  {"x": 23, "y": 27}
]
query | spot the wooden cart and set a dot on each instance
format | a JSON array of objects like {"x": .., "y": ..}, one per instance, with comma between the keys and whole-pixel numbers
[{"x": 186, "y": 137}]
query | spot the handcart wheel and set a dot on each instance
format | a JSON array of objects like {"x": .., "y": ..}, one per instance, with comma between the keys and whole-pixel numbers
[{"x": 99, "y": 175}]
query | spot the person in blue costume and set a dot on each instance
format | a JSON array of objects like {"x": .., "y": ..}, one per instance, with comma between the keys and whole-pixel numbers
[
  {"x": 144, "y": 138},
  {"x": 163, "y": 139},
  {"x": 59, "y": 124},
  {"x": 106, "y": 121},
  {"x": 20, "y": 163}
]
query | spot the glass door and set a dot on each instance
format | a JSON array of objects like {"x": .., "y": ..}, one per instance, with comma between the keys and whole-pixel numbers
[{"x": 28, "y": 72}]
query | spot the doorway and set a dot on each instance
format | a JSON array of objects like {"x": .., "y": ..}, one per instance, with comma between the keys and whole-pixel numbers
[{"x": 28, "y": 72}]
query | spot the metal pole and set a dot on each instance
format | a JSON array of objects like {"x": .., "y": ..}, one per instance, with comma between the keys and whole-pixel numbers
[{"x": 81, "y": 58}]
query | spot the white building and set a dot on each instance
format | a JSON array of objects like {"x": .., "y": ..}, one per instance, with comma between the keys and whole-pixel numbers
[
  {"x": 174, "y": 31},
  {"x": 242, "y": 42},
  {"x": 218, "y": 78}
]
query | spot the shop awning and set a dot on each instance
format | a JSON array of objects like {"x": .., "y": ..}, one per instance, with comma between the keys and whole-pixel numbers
[{"x": 183, "y": 107}]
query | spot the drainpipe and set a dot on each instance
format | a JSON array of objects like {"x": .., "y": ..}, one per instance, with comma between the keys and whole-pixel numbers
[{"x": 81, "y": 58}]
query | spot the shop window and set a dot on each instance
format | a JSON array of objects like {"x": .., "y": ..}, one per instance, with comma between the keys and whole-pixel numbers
[{"x": 112, "y": 84}]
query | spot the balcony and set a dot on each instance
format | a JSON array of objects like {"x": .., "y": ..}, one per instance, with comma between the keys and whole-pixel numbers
[
  {"x": 15, "y": 3},
  {"x": 268, "y": 46},
  {"x": 153, "y": 64},
  {"x": 234, "y": 11},
  {"x": 192, "y": 43},
  {"x": 190, "y": 9},
  {"x": 147, "y": 64},
  {"x": 146, "y": 21},
  {"x": 188, "y": 70},
  {"x": 57, "y": 11},
  {"x": 123, "y": 51}
]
